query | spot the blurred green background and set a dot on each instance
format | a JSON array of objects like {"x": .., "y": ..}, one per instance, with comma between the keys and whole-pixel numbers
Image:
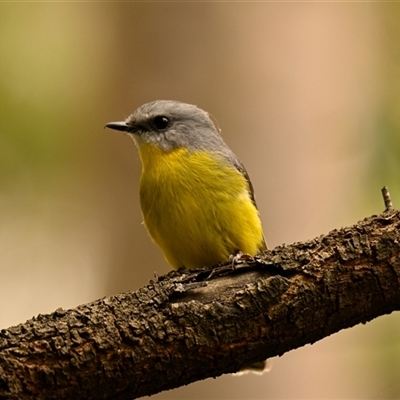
[{"x": 308, "y": 97}]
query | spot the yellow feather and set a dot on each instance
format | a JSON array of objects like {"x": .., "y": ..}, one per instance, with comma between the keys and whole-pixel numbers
[{"x": 197, "y": 207}]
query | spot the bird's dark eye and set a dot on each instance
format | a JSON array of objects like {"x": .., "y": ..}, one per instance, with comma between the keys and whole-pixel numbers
[{"x": 160, "y": 122}]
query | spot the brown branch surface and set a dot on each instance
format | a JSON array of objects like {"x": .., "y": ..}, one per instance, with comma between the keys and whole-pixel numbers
[{"x": 192, "y": 326}]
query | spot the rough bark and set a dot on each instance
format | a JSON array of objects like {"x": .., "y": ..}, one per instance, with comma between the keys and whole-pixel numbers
[{"x": 191, "y": 326}]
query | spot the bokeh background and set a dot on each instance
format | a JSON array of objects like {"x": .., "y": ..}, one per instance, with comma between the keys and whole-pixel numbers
[{"x": 308, "y": 97}]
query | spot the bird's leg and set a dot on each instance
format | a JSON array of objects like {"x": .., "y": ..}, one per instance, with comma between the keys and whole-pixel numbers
[{"x": 239, "y": 258}]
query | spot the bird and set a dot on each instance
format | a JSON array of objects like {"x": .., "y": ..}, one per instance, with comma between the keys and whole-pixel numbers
[{"x": 196, "y": 197}]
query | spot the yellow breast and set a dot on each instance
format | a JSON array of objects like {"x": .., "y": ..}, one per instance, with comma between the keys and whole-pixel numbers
[{"x": 197, "y": 207}]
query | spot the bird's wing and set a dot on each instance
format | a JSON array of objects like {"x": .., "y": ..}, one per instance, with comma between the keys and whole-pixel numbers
[{"x": 240, "y": 167}]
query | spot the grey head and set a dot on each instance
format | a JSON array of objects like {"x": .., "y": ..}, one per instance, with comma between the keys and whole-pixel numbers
[{"x": 171, "y": 124}]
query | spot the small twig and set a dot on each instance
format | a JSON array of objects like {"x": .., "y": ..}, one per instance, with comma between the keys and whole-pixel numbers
[{"x": 386, "y": 198}]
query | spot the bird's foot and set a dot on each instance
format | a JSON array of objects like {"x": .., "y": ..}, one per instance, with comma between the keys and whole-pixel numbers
[{"x": 239, "y": 258}]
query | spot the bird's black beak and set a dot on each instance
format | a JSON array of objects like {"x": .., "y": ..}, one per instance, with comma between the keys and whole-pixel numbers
[{"x": 118, "y": 126}]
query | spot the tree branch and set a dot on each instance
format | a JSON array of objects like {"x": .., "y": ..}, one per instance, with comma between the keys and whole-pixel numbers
[{"x": 191, "y": 326}]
